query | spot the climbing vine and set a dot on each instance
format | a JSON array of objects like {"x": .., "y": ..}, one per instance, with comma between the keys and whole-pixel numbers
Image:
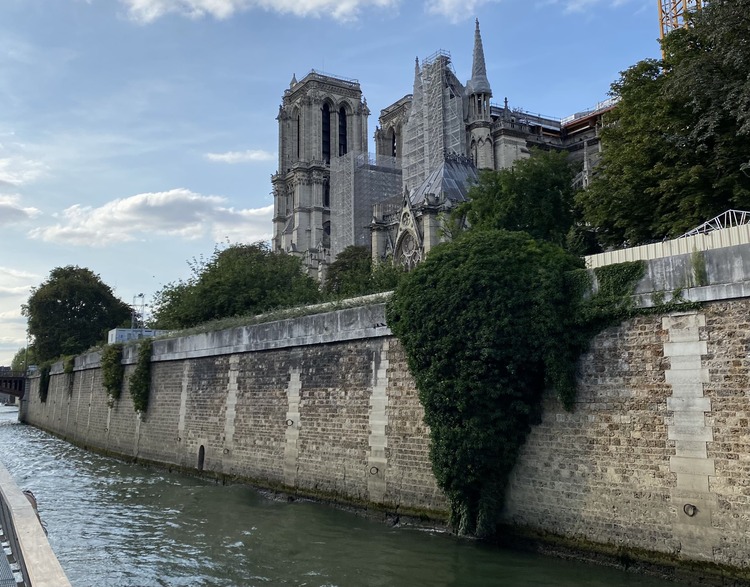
[
  {"x": 113, "y": 371},
  {"x": 69, "y": 371},
  {"x": 488, "y": 322},
  {"x": 69, "y": 364},
  {"x": 44, "y": 382},
  {"x": 140, "y": 380}
]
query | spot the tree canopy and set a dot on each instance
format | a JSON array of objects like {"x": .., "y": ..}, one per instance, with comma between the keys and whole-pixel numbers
[
  {"x": 24, "y": 357},
  {"x": 675, "y": 143},
  {"x": 353, "y": 274},
  {"x": 237, "y": 280},
  {"x": 71, "y": 311},
  {"x": 485, "y": 322},
  {"x": 534, "y": 196}
]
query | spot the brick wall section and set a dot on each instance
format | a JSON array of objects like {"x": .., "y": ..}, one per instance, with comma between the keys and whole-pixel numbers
[
  {"x": 409, "y": 468},
  {"x": 260, "y": 427},
  {"x": 728, "y": 336},
  {"x": 602, "y": 471},
  {"x": 618, "y": 470}
]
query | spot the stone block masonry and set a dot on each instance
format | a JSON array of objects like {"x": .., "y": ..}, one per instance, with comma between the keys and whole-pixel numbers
[{"x": 654, "y": 457}]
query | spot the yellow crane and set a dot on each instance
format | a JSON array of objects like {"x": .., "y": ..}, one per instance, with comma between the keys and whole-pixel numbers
[{"x": 672, "y": 13}]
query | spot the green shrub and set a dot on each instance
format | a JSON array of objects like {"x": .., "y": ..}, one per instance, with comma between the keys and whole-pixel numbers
[
  {"x": 44, "y": 382},
  {"x": 113, "y": 371},
  {"x": 140, "y": 380},
  {"x": 488, "y": 322}
]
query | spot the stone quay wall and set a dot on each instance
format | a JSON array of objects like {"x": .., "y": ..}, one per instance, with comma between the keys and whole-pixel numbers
[{"x": 654, "y": 458}]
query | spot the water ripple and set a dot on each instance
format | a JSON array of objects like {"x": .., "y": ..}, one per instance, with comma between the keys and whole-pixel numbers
[{"x": 114, "y": 524}]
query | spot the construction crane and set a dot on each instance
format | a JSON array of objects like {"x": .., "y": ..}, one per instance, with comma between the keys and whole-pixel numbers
[{"x": 672, "y": 13}]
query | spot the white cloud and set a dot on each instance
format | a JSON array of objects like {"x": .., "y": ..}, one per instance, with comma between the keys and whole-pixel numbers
[
  {"x": 146, "y": 11},
  {"x": 455, "y": 10},
  {"x": 16, "y": 171},
  {"x": 11, "y": 211},
  {"x": 249, "y": 156},
  {"x": 177, "y": 213},
  {"x": 10, "y": 273}
]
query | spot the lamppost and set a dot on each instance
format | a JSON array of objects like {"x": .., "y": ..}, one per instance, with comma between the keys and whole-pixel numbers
[{"x": 133, "y": 313}]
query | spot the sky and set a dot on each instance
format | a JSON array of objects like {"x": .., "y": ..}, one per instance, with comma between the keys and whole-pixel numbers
[{"x": 137, "y": 134}]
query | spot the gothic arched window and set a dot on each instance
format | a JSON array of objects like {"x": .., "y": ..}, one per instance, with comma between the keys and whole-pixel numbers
[
  {"x": 298, "y": 136},
  {"x": 326, "y": 124},
  {"x": 343, "y": 148}
]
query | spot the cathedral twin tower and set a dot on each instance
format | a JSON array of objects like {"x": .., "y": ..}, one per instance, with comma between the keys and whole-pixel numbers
[{"x": 329, "y": 193}]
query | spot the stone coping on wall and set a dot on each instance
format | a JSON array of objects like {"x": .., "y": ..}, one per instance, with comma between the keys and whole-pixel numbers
[
  {"x": 357, "y": 323},
  {"x": 349, "y": 324}
]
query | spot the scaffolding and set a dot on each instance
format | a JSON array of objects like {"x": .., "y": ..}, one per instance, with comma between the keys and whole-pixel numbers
[
  {"x": 728, "y": 219},
  {"x": 672, "y": 13},
  {"x": 358, "y": 183},
  {"x": 436, "y": 121}
]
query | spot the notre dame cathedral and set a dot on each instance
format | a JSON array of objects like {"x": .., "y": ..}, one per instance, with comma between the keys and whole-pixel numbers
[{"x": 330, "y": 192}]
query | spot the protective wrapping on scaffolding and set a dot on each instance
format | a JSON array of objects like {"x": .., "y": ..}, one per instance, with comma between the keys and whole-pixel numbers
[
  {"x": 357, "y": 184},
  {"x": 436, "y": 122}
]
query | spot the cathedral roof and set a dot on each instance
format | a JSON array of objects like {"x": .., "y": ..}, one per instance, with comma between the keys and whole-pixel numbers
[
  {"x": 448, "y": 181},
  {"x": 478, "y": 84}
]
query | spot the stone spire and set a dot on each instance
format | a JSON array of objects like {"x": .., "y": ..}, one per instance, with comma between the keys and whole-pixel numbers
[{"x": 479, "y": 84}]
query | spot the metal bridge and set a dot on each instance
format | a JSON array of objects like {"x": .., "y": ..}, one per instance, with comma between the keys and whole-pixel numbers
[{"x": 12, "y": 383}]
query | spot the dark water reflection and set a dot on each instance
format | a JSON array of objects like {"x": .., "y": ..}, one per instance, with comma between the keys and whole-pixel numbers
[{"x": 116, "y": 524}]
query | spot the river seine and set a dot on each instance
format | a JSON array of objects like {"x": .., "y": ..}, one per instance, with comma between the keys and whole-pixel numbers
[{"x": 115, "y": 524}]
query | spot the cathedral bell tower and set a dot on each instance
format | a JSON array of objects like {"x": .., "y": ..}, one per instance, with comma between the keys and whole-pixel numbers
[
  {"x": 321, "y": 117},
  {"x": 479, "y": 121}
]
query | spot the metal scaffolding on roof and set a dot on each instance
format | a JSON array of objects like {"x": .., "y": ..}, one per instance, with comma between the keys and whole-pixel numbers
[{"x": 436, "y": 121}]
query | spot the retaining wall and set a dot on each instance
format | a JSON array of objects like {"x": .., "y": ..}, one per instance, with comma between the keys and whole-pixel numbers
[{"x": 655, "y": 456}]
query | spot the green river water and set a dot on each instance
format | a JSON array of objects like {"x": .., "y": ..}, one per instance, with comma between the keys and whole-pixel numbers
[{"x": 114, "y": 524}]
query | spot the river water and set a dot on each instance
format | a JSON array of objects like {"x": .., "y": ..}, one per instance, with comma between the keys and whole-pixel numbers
[{"x": 114, "y": 524}]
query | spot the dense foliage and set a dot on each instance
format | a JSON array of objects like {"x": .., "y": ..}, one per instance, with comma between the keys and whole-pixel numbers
[
  {"x": 113, "y": 371},
  {"x": 236, "y": 280},
  {"x": 140, "y": 380},
  {"x": 352, "y": 274},
  {"x": 24, "y": 357},
  {"x": 71, "y": 311},
  {"x": 486, "y": 324},
  {"x": 675, "y": 144},
  {"x": 44, "y": 380},
  {"x": 534, "y": 196}
]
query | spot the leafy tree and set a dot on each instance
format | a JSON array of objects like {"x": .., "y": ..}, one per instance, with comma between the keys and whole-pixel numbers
[
  {"x": 675, "y": 144},
  {"x": 534, "y": 196},
  {"x": 349, "y": 274},
  {"x": 71, "y": 311},
  {"x": 23, "y": 358},
  {"x": 237, "y": 280},
  {"x": 486, "y": 322},
  {"x": 353, "y": 274}
]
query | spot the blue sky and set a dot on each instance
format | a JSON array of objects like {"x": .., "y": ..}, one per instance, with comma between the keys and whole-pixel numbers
[{"x": 135, "y": 134}]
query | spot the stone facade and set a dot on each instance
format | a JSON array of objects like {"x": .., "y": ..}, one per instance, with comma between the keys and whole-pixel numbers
[
  {"x": 653, "y": 458},
  {"x": 433, "y": 141}
]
